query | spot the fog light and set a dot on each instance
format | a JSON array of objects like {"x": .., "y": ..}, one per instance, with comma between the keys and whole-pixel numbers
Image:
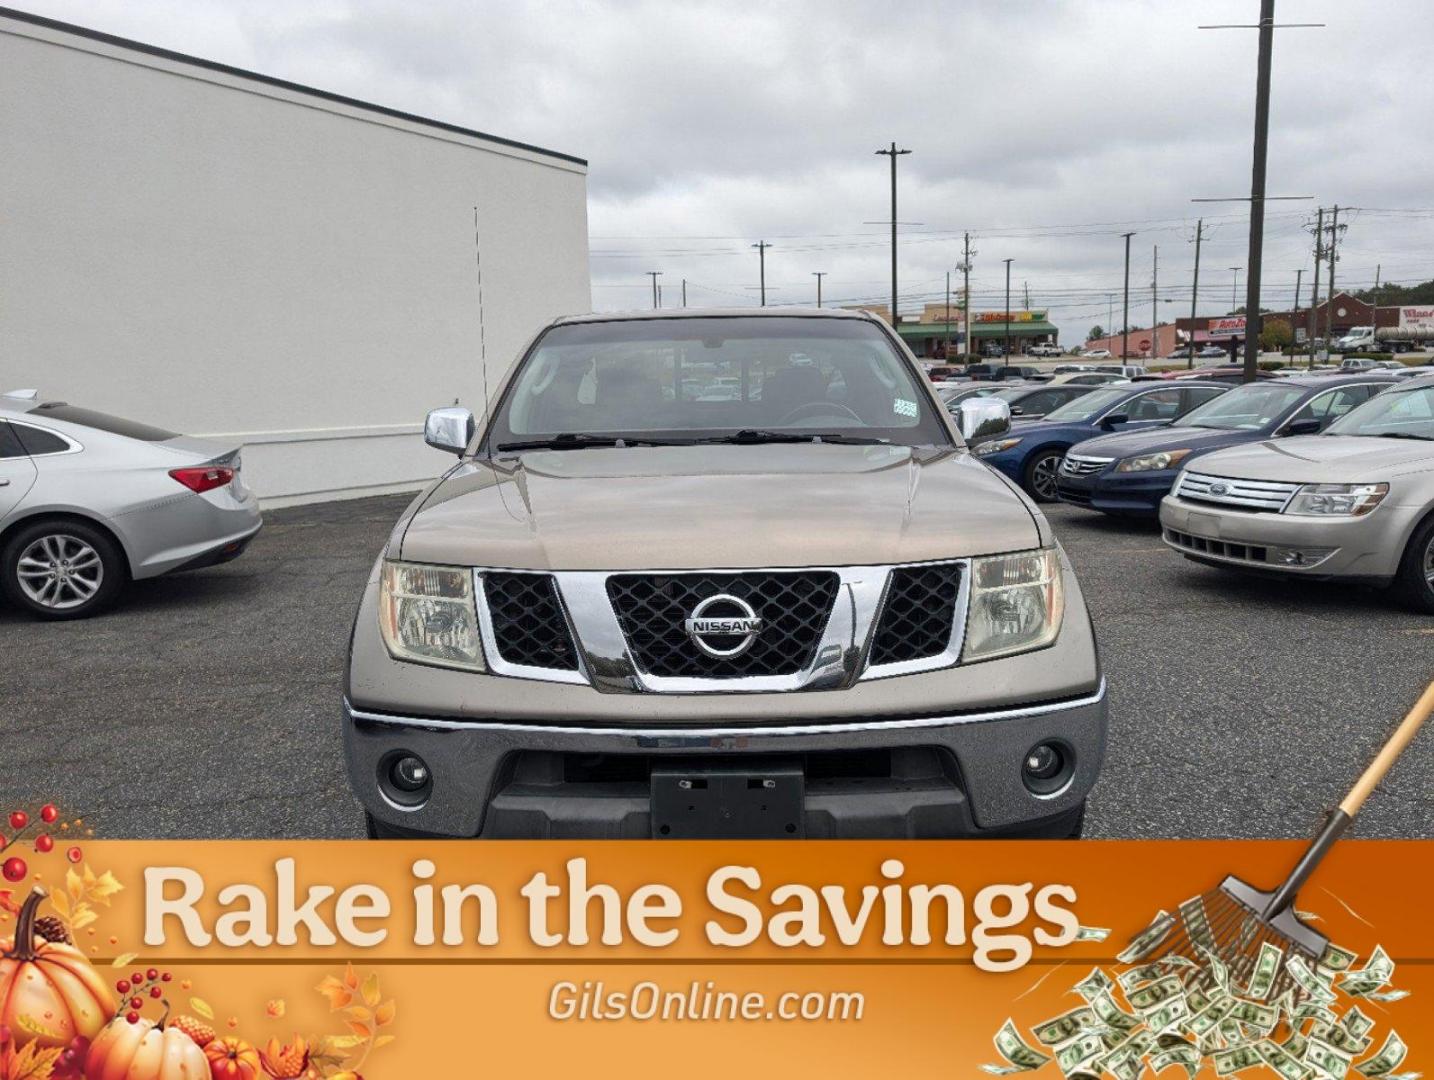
[
  {"x": 1298, "y": 556},
  {"x": 1047, "y": 768},
  {"x": 409, "y": 774}
]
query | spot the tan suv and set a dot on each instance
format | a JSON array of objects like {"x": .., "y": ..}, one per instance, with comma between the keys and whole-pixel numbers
[{"x": 722, "y": 574}]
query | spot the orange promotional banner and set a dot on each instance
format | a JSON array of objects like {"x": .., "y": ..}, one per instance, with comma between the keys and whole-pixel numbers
[{"x": 307, "y": 959}]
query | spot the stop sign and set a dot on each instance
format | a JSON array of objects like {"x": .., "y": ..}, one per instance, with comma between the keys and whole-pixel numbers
[{"x": 1145, "y": 344}]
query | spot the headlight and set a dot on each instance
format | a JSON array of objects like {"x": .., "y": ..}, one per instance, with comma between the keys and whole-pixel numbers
[
  {"x": 1165, "y": 459},
  {"x": 1016, "y": 603},
  {"x": 427, "y": 615},
  {"x": 1336, "y": 500},
  {"x": 995, "y": 446}
]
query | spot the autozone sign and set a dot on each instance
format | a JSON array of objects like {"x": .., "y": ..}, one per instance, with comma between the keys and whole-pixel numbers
[
  {"x": 1234, "y": 327},
  {"x": 1417, "y": 319}
]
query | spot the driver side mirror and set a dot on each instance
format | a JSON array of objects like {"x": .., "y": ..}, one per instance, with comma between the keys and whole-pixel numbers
[
  {"x": 1115, "y": 420},
  {"x": 1303, "y": 427},
  {"x": 450, "y": 429},
  {"x": 978, "y": 418},
  {"x": 1016, "y": 410}
]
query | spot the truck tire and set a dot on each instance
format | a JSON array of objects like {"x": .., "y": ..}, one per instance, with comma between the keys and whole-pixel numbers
[{"x": 1414, "y": 584}]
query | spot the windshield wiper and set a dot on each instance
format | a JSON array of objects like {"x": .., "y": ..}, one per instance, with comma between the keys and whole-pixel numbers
[
  {"x": 756, "y": 436},
  {"x": 1403, "y": 435},
  {"x": 571, "y": 440}
]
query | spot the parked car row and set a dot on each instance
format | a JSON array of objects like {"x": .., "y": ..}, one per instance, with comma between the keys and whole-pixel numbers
[{"x": 1321, "y": 476}]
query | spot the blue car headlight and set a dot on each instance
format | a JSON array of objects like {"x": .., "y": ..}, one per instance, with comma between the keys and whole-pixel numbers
[{"x": 995, "y": 446}]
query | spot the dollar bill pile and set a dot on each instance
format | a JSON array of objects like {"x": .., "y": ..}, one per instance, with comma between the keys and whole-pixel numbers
[{"x": 1193, "y": 1011}]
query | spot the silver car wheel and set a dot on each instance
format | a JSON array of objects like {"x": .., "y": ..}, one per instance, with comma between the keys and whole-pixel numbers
[
  {"x": 60, "y": 571},
  {"x": 1429, "y": 563},
  {"x": 1043, "y": 475}
]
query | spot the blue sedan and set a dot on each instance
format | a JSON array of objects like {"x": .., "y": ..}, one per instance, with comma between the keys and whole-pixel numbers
[
  {"x": 1031, "y": 451},
  {"x": 1127, "y": 474}
]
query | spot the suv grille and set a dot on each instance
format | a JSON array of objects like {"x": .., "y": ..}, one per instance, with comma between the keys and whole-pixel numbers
[
  {"x": 916, "y": 620},
  {"x": 793, "y": 608},
  {"x": 528, "y": 622}
]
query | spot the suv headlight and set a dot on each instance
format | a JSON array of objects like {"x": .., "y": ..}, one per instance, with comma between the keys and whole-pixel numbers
[
  {"x": 994, "y": 446},
  {"x": 427, "y": 615},
  {"x": 1016, "y": 604},
  {"x": 1165, "y": 459},
  {"x": 1336, "y": 500}
]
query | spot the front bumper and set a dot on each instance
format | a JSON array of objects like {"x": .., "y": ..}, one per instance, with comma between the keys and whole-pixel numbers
[
  {"x": 1132, "y": 494},
  {"x": 478, "y": 789},
  {"x": 1361, "y": 549}
]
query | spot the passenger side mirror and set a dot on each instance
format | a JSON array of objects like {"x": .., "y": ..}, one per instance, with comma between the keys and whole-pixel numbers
[
  {"x": 981, "y": 417},
  {"x": 450, "y": 429},
  {"x": 1114, "y": 420},
  {"x": 1303, "y": 427}
]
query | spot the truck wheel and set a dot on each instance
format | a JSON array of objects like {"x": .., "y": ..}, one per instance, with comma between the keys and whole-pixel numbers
[
  {"x": 1041, "y": 473},
  {"x": 1414, "y": 584},
  {"x": 61, "y": 569}
]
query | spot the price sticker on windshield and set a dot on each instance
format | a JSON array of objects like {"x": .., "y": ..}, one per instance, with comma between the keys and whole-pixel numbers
[{"x": 902, "y": 407}]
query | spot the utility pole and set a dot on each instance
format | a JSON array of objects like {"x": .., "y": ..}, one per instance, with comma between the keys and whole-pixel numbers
[
  {"x": 893, "y": 153},
  {"x": 1125, "y": 305},
  {"x": 1314, "y": 288},
  {"x": 819, "y": 274},
  {"x": 1026, "y": 288},
  {"x": 1008, "y": 310},
  {"x": 1333, "y": 243},
  {"x": 1155, "y": 303},
  {"x": 1298, "y": 274},
  {"x": 1110, "y": 316},
  {"x": 1195, "y": 291},
  {"x": 762, "y": 246},
  {"x": 1257, "y": 189},
  {"x": 947, "y": 353},
  {"x": 654, "y": 274},
  {"x": 684, "y": 292},
  {"x": 965, "y": 269},
  {"x": 1235, "y": 292}
]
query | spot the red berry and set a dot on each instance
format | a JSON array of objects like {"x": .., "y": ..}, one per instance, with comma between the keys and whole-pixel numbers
[
  {"x": 14, "y": 869},
  {"x": 122, "y": 986},
  {"x": 44, "y": 844},
  {"x": 3, "y": 841},
  {"x": 49, "y": 812},
  {"x": 155, "y": 991},
  {"x": 165, "y": 977},
  {"x": 132, "y": 1017},
  {"x": 19, "y": 819},
  {"x": 152, "y": 974},
  {"x": 136, "y": 1003},
  {"x": 74, "y": 854}
]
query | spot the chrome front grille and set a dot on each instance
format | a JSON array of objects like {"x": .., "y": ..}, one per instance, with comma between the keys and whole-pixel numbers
[
  {"x": 1258, "y": 496},
  {"x": 1083, "y": 465},
  {"x": 820, "y": 628}
]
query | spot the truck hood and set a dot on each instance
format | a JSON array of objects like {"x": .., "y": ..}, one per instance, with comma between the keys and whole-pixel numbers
[
  {"x": 695, "y": 507},
  {"x": 1322, "y": 459},
  {"x": 1151, "y": 440}
]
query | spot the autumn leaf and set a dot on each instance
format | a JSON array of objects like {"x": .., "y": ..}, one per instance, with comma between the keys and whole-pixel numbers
[
  {"x": 61, "y": 903},
  {"x": 276, "y": 1008},
  {"x": 337, "y": 993},
  {"x": 335, "y": 1043},
  {"x": 363, "y": 1031},
  {"x": 384, "y": 1014},
  {"x": 123, "y": 960},
  {"x": 32, "y": 1062},
  {"x": 74, "y": 885},
  {"x": 383, "y": 1040},
  {"x": 359, "y": 1013},
  {"x": 103, "y": 888},
  {"x": 7, "y": 902},
  {"x": 84, "y": 915},
  {"x": 202, "y": 1007},
  {"x": 371, "y": 993},
  {"x": 351, "y": 979}
]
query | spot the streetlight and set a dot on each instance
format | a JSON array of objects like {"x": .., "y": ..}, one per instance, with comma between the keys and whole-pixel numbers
[
  {"x": 762, "y": 246},
  {"x": 654, "y": 274},
  {"x": 1008, "y": 310},
  {"x": 819, "y": 274}
]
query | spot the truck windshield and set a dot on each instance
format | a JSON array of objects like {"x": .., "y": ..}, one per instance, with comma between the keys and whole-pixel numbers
[
  {"x": 1246, "y": 408},
  {"x": 690, "y": 379},
  {"x": 1394, "y": 414}
]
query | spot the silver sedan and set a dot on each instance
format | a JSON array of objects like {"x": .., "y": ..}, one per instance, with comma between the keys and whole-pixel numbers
[{"x": 90, "y": 501}]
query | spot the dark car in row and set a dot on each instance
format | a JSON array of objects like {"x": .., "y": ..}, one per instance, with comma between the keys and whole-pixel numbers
[
  {"x": 1031, "y": 451},
  {"x": 1128, "y": 472}
]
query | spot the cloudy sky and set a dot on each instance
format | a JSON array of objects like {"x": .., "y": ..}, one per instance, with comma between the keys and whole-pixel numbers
[{"x": 1045, "y": 129}]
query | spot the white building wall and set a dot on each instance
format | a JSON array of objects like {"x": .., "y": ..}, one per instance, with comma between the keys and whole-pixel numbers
[{"x": 221, "y": 256}]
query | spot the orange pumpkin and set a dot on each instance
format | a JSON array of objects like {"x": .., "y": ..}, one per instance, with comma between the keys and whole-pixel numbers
[
  {"x": 231, "y": 1058},
  {"x": 144, "y": 1051},
  {"x": 49, "y": 993}
]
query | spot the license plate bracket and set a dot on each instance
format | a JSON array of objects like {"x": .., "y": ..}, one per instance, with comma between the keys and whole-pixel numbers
[{"x": 700, "y": 801}]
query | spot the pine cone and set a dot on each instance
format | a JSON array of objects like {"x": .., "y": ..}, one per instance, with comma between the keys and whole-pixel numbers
[{"x": 52, "y": 929}]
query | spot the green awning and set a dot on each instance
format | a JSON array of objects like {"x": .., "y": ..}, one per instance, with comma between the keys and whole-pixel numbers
[{"x": 1033, "y": 328}]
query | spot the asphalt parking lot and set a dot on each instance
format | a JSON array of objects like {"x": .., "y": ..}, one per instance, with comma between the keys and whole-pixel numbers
[{"x": 206, "y": 705}]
